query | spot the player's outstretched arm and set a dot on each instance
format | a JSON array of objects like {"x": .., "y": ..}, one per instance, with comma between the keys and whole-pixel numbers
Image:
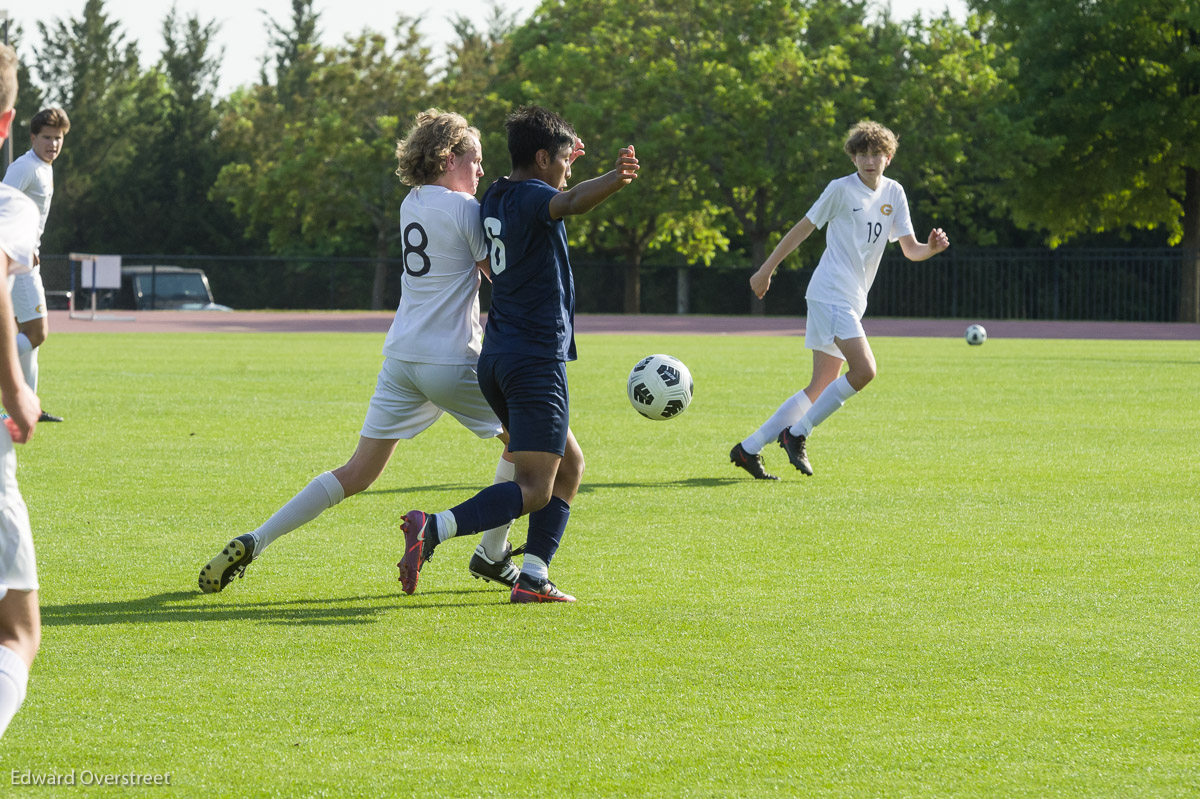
[
  {"x": 583, "y": 197},
  {"x": 916, "y": 251},
  {"x": 19, "y": 400},
  {"x": 760, "y": 281}
]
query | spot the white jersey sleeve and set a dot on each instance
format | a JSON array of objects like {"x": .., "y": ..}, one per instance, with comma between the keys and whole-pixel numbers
[
  {"x": 827, "y": 206},
  {"x": 18, "y": 229},
  {"x": 470, "y": 227},
  {"x": 17, "y": 176},
  {"x": 901, "y": 217},
  {"x": 35, "y": 179},
  {"x": 438, "y": 317}
]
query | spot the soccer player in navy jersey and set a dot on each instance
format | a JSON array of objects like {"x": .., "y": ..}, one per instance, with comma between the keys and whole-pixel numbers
[{"x": 528, "y": 340}]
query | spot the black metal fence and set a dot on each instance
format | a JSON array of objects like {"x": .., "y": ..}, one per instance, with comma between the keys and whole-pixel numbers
[
  {"x": 1083, "y": 284},
  {"x": 1100, "y": 285}
]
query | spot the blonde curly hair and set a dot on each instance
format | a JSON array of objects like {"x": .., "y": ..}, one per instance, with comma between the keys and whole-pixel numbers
[
  {"x": 425, "y": 151},
  {"x": 870, "y": 137}
]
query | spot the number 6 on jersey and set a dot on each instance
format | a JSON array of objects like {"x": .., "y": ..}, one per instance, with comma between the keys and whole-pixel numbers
[{"x": 491, "y": 226}]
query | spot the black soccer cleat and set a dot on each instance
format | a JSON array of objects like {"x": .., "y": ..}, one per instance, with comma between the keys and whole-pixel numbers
[
  {"x": 231, "y": 562},
  {"x": 49, "y": 417},
  {"x": 529, "y": 590},
  {"x": 751, "y": 463},
  {"x": 502, "y": 571},
  {"x": 794, "y": 447}
]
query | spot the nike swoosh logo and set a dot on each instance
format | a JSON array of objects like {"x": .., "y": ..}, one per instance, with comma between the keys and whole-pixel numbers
[{"x": 857, "y": 209}]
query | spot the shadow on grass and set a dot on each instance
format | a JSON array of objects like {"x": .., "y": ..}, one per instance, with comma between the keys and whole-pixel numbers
[
  {"x": 174, "y": 606},
  {"x": 586, "y": 488},
  {"x": 460, "y": 488},
  {"x": 691, "y": 482}
]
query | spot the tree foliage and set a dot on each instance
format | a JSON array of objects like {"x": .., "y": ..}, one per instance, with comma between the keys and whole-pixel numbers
[
  {"x": 321, "y": 179},
  {"x": 85, "y": 65},
  {"x": 1049, "y": 118},
  {"x": 1115, "y": 86},
  {"x": 610, "y": 67},
  {"x": 29, "y": 97}
]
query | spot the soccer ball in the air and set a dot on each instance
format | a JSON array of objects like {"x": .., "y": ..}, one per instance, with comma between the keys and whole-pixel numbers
[
  {"x": 976, "y": 335},
  {"x": 660, "y": 387}
]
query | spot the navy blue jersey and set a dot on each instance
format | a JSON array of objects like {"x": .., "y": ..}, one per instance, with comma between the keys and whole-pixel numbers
[{"x": 533, "y": 291}]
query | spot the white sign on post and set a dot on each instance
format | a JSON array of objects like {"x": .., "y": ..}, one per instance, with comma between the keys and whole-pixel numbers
[{"x": 101, "y": 272}]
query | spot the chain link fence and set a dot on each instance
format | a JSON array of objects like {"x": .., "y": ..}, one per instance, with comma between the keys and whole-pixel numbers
[{"x": 1077, "y": 284}]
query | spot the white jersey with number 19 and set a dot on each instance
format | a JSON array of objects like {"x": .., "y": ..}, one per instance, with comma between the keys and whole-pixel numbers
[
  {"x": 438, "y": 317},
  {"x": 861, "y": 223}
]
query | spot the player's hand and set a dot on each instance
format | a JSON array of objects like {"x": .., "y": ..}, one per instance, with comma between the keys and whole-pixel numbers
[
  {"x": 23, "y": 409},
  {"x": 627, "y": 165},
  {"x": 760, "y": 281},
  {"x": 938, "y": 240},
  {"x": 577, "y": 150}
]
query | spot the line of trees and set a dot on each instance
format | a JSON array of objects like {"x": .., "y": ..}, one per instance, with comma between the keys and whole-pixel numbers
[{"x": 1033, "y": 122}]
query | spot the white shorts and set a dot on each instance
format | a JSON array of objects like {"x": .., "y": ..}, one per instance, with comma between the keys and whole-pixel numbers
[
  {"x": 18, "y": 569},
  {"x": 411, "y": 396},
  {"x": 826, "y": 322},
  {"x": 29, "y": 296}
]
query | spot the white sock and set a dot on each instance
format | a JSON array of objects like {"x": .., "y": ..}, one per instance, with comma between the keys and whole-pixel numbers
[
  {"x": 788, "y": 414},
  {"x": 833, "y": 397},
  {"x": 14, "y": 680},
  {"x": 495, "y": 541},
  {"x": 314, "y": 499},
  {"x": 24, "y": 345},
  {"x": 447, "y": 525},
  {"x": 535, "y": 567},
  {"x": 29, "y": 366}
]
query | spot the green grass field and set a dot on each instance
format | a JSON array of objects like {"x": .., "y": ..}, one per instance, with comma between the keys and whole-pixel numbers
[{"x": 988, "y": 589}]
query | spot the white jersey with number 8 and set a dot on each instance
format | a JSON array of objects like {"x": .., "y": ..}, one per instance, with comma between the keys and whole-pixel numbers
[{"x": 438, "y": 317}]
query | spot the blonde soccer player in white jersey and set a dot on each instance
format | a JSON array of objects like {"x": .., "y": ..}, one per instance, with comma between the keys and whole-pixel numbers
[
  {"x": 430, "y": 352},
  {"x": 864, "y": 211},
  {"x": 20, "y": 619}
]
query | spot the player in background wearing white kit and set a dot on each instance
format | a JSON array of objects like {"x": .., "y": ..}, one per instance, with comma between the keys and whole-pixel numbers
[
  {"x": 20, "y": 621},
  {"x": 431, "y": 348},
  {"x": 33, "y": 174},
  {"x": 864, "y": 212}
]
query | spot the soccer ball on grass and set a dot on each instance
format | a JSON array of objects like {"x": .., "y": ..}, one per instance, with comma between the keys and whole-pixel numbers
[
  {"x": 660, "y": 387},
  {"x": 976, "y": 335}
]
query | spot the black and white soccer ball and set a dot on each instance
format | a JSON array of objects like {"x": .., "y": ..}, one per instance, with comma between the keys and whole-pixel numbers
[
  {"x": 660, "y": 387},
  {"x": 976, "y": 335}
]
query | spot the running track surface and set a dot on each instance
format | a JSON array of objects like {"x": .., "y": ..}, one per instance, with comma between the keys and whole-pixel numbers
[{"x": 378, "y": 322}]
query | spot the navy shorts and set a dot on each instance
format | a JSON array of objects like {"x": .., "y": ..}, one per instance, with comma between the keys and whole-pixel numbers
[{"x": 529, "y": 396}]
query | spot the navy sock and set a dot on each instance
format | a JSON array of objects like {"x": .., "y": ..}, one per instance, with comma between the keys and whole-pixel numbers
[
  {"x": 546, "y": 529},
  {"x": 493, "y": 506}
]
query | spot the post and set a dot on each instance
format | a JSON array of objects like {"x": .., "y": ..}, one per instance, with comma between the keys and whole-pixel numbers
[
  {"x": 682, "y": 290},
  {"x": 1189, "y": 300}
]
